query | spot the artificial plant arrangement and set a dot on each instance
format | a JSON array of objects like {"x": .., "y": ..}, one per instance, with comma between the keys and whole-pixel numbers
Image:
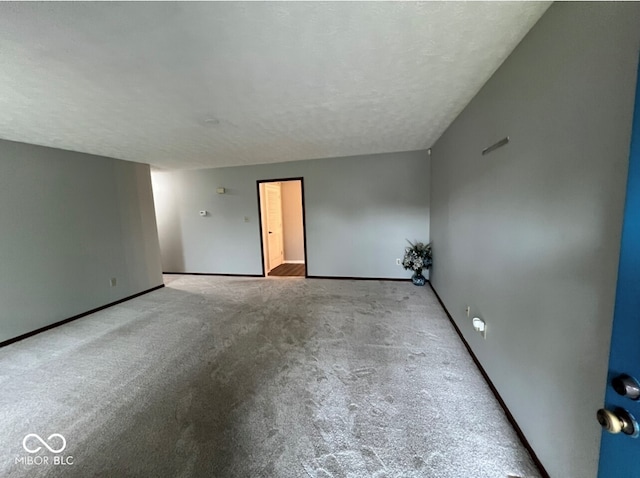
[{"x": 417, "y": 256}]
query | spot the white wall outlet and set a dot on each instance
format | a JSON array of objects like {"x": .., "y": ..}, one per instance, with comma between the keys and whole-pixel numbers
[
  {"x": 480, "y": 325},
  {"x": 203, "y": 213},
  {"x": 113, "y": 282},
  {"x": 468, "y": 310},
  {"x": 398, "y": 262}
]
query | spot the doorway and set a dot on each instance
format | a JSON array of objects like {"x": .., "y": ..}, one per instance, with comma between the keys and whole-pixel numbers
[{"x": 282, "y": 226}]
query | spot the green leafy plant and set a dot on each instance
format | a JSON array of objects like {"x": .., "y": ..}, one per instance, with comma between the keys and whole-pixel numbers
[{"x": 417, "y": 256}]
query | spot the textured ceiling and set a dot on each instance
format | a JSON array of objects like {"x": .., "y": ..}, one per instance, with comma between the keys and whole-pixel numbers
[{"x": 188, "y": 85}]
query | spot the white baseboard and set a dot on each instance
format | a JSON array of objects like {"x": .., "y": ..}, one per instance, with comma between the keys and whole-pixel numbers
[{"x": 294, "y": 262}]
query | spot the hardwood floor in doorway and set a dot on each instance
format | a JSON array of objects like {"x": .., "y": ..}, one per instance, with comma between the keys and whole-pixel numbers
[{"x": 288, "y": 270}]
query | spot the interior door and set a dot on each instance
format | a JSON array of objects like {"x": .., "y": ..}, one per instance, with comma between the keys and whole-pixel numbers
[
  {"x": 275, "y": 246},
  {"x": 620, "y": 451}
]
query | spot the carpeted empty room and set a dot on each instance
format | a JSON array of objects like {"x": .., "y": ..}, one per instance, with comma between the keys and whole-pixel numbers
[
  {"x": 256, "y": 377},
  {"x": 319, "y": 239}
]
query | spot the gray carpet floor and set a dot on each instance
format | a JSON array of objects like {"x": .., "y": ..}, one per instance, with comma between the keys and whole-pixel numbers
[{"x": 239, "y": 377}]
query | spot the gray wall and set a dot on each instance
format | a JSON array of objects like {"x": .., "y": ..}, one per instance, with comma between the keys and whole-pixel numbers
[
  {"x": 528, "y": 236},
  {"x": 70, "y": 222},
  {"x": 359, "y": 211}
]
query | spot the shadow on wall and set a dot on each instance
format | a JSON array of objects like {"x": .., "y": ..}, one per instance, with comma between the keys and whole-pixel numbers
[
  {"x": 141, "y": 258},
  {"x": 173, "y": 246},
  {"x": 168, "y": 222}
]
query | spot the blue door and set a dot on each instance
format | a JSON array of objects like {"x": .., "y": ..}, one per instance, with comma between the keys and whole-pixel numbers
[{"x": 620, "y": 452}]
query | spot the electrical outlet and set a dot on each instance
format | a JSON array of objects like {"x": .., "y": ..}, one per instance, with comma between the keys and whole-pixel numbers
[
  {"x": 479, "y": 325},
  {"x": 113, "y": 282},
  {"x": 398, "y": 262}
]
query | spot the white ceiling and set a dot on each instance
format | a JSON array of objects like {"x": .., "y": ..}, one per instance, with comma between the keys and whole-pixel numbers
[{"x": 189, "y": 85}]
